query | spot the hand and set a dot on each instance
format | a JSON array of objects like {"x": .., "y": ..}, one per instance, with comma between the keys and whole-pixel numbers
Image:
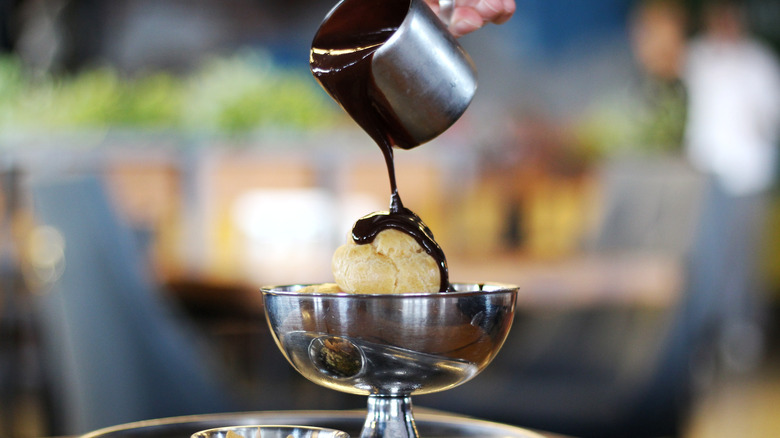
[{"x": 470, "y": 15}]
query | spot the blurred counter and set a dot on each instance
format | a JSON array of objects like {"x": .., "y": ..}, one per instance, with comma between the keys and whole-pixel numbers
[
  {"x": 642, "y": 280},
  {"x": 635, "y": 280}
]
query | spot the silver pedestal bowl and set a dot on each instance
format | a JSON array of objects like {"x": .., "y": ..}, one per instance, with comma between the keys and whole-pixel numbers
[
  {"x": 390, "y": 347},
  {"x": 270, "y": 431}
]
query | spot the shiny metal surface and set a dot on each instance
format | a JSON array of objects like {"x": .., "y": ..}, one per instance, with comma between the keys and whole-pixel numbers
[
  {"x": 430, "y": 425},
  {"x": 390, "y": 344},
  {"x": 446, "y": 9},
  {"x": 390, "y": 347},
  {"x": 270, "y": 431},
  {"x": 425, "y": 75}
]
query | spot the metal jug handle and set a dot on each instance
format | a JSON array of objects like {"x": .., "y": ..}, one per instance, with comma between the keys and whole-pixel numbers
[{"x": 446, "y": 8}]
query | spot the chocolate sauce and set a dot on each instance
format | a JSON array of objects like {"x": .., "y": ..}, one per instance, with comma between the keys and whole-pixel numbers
[
  {"x": 402, "y": 219},
  {"x": 340, "y": 59}
]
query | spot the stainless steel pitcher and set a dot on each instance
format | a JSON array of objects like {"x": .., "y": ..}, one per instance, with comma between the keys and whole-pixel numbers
[{"x": 426, "y": 78}]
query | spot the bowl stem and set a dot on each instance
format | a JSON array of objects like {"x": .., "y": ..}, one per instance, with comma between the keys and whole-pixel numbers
[{"x": 389, "y": 416}]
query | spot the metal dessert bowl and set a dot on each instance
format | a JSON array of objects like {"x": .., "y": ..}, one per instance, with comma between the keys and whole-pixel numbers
[
  {"x": 390, "y": 347},
  {"x": 270, "y": 431}
]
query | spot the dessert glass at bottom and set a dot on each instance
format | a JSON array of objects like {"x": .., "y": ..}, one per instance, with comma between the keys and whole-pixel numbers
[
  {"x": 270, "y": 431},
  {"x": 390, "y": 346}
]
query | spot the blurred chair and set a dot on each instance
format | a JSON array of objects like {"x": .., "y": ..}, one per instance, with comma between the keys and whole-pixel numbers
[
  {"x": 114, "y": 350},
  {"x": 612, "y": 370}
]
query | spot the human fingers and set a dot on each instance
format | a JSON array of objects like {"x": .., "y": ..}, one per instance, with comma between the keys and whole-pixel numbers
[
  {"x": 470, "y": 15},
  {"x": 493, "y": 11},
  {"x": 465, "y": 20}
]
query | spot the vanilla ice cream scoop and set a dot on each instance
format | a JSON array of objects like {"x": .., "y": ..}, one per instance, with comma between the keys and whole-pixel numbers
[{"x": 394, "y": 262}]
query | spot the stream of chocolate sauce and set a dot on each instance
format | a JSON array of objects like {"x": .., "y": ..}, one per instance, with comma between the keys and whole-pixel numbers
[{"x": 340, "y": 59}]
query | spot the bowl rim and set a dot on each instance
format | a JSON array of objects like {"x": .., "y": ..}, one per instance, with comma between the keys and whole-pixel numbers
[{"x": 486, "y": 288}]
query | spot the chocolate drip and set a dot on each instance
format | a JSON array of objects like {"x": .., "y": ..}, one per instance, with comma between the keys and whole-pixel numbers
[
  {"x": 402, "y": 219},
  {"x": 341, "y": 56}
]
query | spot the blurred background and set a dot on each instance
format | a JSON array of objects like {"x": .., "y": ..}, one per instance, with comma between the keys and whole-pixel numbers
[{"x": 161, "y": 160}]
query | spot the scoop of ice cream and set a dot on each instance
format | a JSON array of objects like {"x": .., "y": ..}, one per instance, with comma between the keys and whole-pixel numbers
[
  {"x": 324, "y": 288},
  {"x": 392, "y": 263}
]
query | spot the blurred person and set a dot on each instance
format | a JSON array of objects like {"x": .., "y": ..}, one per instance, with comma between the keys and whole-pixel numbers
[
  {"x": 734, "y": 86},
  {"x": 658, "y": 33},
  {"x": 658, "y": 40},
  {"x": 648, "y": 113},
  {"x": 732, "y": 134}
]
